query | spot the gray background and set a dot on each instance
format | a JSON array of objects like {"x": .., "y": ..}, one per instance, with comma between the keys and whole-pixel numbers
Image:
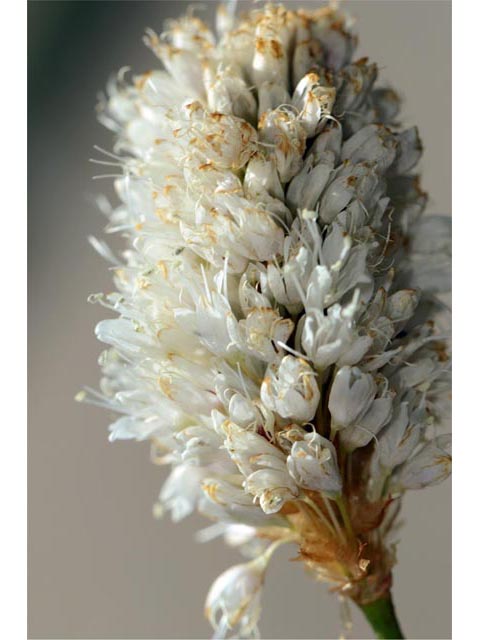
[{"x": 99, "y": 564}]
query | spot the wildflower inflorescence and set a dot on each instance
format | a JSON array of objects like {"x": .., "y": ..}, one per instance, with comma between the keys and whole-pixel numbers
[{"x": 275, "y": 337}]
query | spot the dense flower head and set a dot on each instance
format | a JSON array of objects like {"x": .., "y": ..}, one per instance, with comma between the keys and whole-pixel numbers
[{"x": 276, "y": 337}]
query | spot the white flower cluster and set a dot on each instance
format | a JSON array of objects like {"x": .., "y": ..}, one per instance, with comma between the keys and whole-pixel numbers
[{"x": 275, "y": 336}]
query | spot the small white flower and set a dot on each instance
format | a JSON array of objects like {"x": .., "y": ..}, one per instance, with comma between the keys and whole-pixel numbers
[
  {"x": 271, "y": 487},
  {"x": 283, "y": 281},
  {"x": 239, "y": 536},
  {"x": 398, "y": 442},
  {"x": 314, "y": 102},
  {"x": 429, "y": 466},
  {"x": 262, "y": 330},
  {"x": 290, "y": 389},
  {"x": 200, "y": 444},
  {"x": 329, "y": 335},
  {"x": 264, "y": 467},
  {"x": 356, "y": 411},
  {"x": 225, "y": 492},
  {"x": 181, "y": 491},
  {"x": 234, "y": 599},
  {"x": 351, "y": 395},
  {"x": 262, "y": 183},
  {"x": 305, "y": 189},
  {"x": 229, "y": 94},
  {"x": 374, "y": 143},
  {"x": 368, "y": 425},
  {"x": 281, "y": 128},
  {"x": 313, "y": 464}
]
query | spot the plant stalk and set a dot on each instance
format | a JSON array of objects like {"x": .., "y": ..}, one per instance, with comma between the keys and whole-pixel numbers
[{"x": 382, "y": 618}]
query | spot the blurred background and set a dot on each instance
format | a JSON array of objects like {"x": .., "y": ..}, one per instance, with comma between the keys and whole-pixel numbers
[{"x": 100, "y": 565}]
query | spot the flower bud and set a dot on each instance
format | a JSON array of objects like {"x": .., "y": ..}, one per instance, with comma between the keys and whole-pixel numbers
[{"x": 351, "y": 395}]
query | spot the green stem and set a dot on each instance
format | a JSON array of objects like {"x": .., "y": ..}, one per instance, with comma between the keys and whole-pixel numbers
[
  {"x": 346, "y": 518},
  {"x": 382, "y": 618}
]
